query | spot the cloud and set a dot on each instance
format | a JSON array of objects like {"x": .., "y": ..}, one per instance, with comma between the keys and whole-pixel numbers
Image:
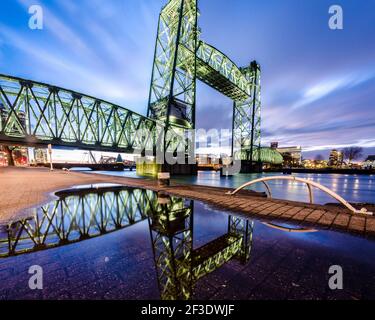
[
  {"x": 365, "y": 143},
  {"x": 325, "y": 88}
]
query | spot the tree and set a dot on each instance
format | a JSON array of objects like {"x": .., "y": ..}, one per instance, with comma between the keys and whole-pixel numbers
[
  {"x": 288, "y": 159},
  {"x": 352, "y": 153},
  {"x": 319, "y": 157}
]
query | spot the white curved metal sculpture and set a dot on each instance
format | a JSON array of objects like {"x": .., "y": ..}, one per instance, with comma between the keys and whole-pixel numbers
[
  {"x": 309, "y": 185},
  {"x": 287, "y": 229}
]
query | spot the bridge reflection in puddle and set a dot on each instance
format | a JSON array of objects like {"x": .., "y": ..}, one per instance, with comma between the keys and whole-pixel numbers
[{"x": 92, "y": 211}]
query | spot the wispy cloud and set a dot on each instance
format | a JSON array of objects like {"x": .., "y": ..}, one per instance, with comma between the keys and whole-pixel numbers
[
  {"x": 326, "y": 87},
  {"x": 365, "y": 143}
]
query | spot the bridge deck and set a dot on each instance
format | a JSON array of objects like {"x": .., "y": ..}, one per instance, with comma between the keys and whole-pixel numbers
[{"x": 22, "y": 188}]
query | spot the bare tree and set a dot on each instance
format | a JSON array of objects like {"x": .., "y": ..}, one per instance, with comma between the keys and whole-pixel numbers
[{"x": 352, "y": 153}]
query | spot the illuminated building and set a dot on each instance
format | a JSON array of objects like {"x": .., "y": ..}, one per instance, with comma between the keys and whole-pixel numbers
[
  {"x": 292, "y": 155},
  {"x": 369, "y": 163}
]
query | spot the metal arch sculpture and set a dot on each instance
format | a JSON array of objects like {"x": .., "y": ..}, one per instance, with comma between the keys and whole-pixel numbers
[
  {"x": 309, "y": 185},
  {"x": 35, "y": 113}
]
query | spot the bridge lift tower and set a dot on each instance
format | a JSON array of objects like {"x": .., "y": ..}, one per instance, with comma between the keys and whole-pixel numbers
[{"x": 180, "y": 59}]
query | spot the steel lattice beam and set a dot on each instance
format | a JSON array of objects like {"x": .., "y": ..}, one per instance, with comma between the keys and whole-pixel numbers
[
  {"x": 247, "y": 119},
  {"x": 180, "y": 59},
  {"x": 34, "y": 113}
]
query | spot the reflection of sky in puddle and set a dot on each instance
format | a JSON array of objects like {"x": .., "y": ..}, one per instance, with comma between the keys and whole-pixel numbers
[{"x": 125, "y": 264}]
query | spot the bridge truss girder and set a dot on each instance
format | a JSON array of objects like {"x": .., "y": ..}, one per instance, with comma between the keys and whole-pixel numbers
[
  {"x": 173, "y": 83},
  {"x": 180, "y": 59},
  {"x": 33, "y": 113}
]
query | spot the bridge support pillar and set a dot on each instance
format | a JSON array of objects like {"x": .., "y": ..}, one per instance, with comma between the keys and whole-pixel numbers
[
  {"x": 250, "y": 167},
  {"x": 153, "y": 169}
]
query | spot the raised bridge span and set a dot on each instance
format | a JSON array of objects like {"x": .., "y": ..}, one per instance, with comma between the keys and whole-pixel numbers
[{"x": 35, "y": 113}]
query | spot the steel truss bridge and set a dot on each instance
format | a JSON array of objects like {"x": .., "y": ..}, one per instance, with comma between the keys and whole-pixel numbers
[
  {"x": 37, "y": 114},
  {"x": 90, "y": 212}
]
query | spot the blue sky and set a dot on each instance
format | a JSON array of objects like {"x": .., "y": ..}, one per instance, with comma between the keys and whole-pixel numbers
[{"x": 318, "y": 85}]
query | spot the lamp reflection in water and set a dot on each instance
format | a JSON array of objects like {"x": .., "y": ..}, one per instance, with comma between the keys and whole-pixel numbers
[{"x": 92, "y": 211}]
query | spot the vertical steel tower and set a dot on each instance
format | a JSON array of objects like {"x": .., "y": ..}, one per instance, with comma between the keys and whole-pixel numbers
[
  {"x": 173, "y": 84},
  {"x": 247, "y": 120},
  {"x": 180, "y": 59}
]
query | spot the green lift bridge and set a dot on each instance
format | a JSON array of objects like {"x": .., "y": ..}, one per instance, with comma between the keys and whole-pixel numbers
[{"x": 37, "y": 114}]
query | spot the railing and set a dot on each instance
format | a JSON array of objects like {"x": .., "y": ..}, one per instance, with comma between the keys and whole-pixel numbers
[{"x": 309, "y": 185}]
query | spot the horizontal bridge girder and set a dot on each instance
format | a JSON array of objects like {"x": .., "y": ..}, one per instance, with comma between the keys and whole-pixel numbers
[
  {"x": 38, "y": 114},
  {"x": 218, "y": 71}
]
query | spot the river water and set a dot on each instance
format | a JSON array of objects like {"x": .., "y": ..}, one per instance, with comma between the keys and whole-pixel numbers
[{"x": 353, "y": 188}]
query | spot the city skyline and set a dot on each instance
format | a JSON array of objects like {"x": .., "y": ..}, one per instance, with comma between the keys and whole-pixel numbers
[{"x": 317, "y": 84}]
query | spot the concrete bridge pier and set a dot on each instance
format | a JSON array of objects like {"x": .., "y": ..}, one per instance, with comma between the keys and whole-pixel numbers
[
  {"x": 248, "y": 166},
  {"x": 180, "y": 169}
]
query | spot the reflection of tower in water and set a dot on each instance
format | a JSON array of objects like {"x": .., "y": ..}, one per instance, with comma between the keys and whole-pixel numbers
[{"x": 179, "y": 266}]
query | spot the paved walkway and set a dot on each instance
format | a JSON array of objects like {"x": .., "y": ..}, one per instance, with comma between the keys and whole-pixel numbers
[{"x": 23, "y": 188}]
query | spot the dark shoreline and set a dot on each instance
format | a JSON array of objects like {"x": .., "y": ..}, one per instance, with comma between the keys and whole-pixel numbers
[{"x": 323, "y": 171}]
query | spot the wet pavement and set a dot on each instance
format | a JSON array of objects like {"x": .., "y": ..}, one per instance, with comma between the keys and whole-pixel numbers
[{"x": 127, "y": 263}]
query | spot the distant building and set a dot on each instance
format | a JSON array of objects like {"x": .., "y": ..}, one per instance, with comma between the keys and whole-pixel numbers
[
  {"x": 336, "y": 158},
  {"x": 315, "y": 164},
  {"x": 369, "y": 163},
  {"x": 292, "y": 155},
  {"x": 274, "y": 145},
  {"x": 40, "y": 156}
]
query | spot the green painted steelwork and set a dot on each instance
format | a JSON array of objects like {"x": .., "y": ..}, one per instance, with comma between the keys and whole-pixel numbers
[
  {"x": 268, "y": 155},
  {"x": 179, "y": 266},
  {"x": 247, "y": 119},
  {"x": 180, "y": 59},
  {"x": 34, "y": 113}
]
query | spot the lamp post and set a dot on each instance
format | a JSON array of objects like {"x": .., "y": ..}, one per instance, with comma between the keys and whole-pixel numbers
[{"x": 50, "y": 156}]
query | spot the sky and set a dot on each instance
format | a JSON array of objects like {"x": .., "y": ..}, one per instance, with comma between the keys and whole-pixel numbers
[{"x": 318, "y": 84}]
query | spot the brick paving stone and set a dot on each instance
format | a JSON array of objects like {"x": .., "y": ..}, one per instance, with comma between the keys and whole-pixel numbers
[
  {"x": 280, "y": 211},
  {"x": 370, "y": 226},
  {"x": 315, "y": 216},
  {"x": 357, "y": 224},
  {"x": 293, "y": 212},
  {"x": 327, "y": 219},
  {"x": 302, "y": 214},
  {"x": 342, "y": 221}
]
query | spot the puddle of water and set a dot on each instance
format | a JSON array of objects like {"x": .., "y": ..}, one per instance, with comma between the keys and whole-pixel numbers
[{"x": 111, "y": 242}]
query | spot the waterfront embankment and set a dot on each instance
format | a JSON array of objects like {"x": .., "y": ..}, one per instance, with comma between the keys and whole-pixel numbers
[{"x": 24, "y": 188}]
